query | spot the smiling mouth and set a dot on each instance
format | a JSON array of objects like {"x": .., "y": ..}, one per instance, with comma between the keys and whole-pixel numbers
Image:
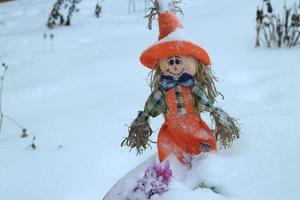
[{"x": 174, "y": 73}]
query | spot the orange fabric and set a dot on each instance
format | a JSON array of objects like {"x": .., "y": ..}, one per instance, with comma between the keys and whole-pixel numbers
[
  {"x": 183, "y": 134},
  {"x": 152, "y": 55},
  {"x": 168, "y": 23}
]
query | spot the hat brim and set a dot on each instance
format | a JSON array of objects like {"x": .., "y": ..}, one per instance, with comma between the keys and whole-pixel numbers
[{"x": 153, "y": 54}]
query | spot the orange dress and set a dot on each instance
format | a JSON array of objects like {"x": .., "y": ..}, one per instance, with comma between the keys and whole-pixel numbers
[{"x": 183, "y": 135}]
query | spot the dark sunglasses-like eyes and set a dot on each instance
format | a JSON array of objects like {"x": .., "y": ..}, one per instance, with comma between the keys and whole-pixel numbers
[{"x": 173, "y": 61}]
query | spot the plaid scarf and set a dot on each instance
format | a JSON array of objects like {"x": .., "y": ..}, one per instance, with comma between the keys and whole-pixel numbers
[{"x": 156, "y": 104}]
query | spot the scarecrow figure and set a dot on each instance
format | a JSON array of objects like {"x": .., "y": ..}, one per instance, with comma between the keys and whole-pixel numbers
[{"x": 182, "y": 85}]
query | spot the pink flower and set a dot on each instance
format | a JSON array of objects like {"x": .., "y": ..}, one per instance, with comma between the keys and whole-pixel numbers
[{"x": 155, "y": 181}]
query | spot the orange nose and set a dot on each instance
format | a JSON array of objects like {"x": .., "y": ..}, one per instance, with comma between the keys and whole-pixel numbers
[{"x": 175, "y": 69}]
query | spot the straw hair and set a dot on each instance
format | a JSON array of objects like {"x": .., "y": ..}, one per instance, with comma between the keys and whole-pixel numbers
[
  {"x": 154, "y": 78},
  {"x": 205, "y": 76}
]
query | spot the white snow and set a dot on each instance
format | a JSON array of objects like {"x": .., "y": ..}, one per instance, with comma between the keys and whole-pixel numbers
[
  {"x": 177, "y": 35},
  {"x": 163, "y": 5},
  {"x": 76, "y": 93}
]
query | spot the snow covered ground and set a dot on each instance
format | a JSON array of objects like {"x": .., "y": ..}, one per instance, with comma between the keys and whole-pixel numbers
[{"x": 76, "y": 94}]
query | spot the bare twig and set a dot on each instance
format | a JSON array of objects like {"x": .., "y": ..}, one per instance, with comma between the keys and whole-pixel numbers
[
  {"x": 258, "y": 27},
  {"x": 13, "y": 121},
  {"x": 131, "y": 6},
  {"x": 153, "y": 13},
  {"x": 33, "y": 146},
  {"x": 154, "y": 10},
  {"x": 277, "y": 30},
  {"x": 4, "y": 68}
]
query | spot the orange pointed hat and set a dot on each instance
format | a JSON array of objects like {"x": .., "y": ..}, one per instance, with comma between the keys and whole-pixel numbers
[{"x": 172, "y": 40}]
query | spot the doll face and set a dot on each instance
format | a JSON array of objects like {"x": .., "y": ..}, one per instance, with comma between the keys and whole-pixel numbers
[{"x": 176, "y": 65}]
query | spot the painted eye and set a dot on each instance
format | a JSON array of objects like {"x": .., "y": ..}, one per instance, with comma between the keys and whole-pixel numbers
[
  {"x": 177, "y": 61},
  {"x": 171, "y": 62}
]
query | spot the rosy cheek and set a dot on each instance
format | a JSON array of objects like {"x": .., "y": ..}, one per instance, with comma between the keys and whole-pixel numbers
[
  {"x": 164, "y": 68},
  {"x": 191, "y": 69}
]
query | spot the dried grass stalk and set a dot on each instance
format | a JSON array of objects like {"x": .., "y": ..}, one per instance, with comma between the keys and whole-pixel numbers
[
  {"x": 139, "y": 133},
  {"x": 175, "y": 6},
  {"x": 226, "y": 127},
  {"x": 155, "y": 9},
  {"x": 153, "y": 13}
]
